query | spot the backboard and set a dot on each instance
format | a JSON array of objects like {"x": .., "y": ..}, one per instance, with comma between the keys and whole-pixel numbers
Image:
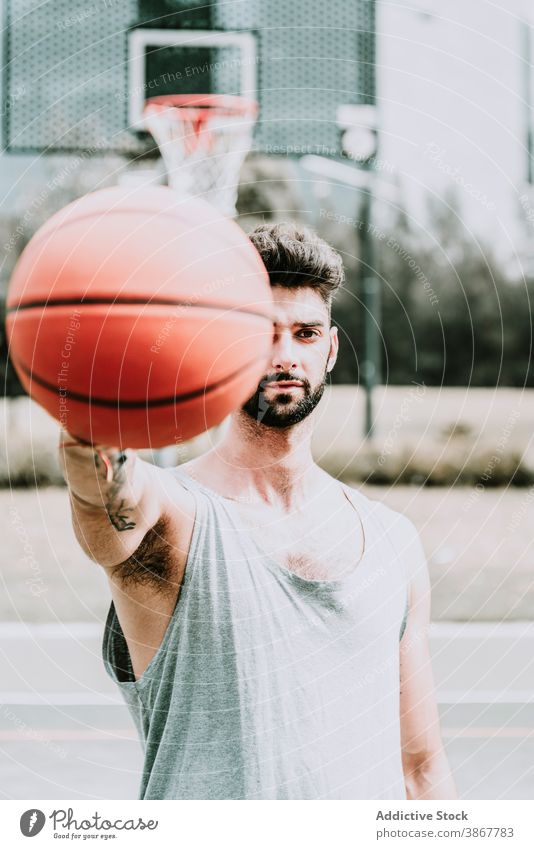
[{"x": 76, "y": 74}]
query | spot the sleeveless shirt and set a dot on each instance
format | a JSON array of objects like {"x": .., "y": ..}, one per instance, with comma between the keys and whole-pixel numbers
[{"x": 268, "y": 685}]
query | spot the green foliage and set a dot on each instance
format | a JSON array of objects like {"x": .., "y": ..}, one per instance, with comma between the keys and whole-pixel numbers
[{"x": 449, "y": 315}]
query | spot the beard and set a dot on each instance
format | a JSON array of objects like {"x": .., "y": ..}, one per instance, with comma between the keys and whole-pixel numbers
[{"x": 284, "y": 411}]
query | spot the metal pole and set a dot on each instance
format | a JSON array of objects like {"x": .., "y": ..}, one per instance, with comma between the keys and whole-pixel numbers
[
  {"x": 527, "y": 91},
  {"x": 370, "y": 283},
  {"x": 371, "y": 305}
]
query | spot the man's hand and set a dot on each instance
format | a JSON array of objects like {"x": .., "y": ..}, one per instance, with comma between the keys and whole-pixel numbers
[
  {"x": 99, "y": 476},
  {"x": 115, "y": 498}
]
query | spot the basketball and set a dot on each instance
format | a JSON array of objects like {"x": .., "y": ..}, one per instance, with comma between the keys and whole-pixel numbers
[{"x": 138, "y": 318}]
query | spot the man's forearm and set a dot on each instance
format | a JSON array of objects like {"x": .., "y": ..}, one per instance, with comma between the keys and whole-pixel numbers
[{"x": 429, "y": 777}]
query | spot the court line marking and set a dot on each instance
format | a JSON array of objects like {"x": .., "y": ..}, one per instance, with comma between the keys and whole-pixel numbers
[
  {"x": 50, "y": 630},
  {"x": 71, "y": 631},
  {"x": 52, "y": 699},
  {"x": 487, "y": 732},
  {"x": 32, "y": 735},
  {"x": 481, "y": 630},
  {"x": 485, "y": 697},
  {"x": 437, "y": 631},
  {"x": 444, "y": 697}
]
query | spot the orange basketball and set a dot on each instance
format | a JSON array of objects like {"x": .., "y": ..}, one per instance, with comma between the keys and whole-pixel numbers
[{"x": 138, "y": 318}]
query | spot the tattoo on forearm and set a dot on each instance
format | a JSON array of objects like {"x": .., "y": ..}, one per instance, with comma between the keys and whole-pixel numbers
[{"x": 115, "y": 505}]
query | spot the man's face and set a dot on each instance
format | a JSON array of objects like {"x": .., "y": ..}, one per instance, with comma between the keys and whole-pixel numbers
[{"x": 304, "y": 351}]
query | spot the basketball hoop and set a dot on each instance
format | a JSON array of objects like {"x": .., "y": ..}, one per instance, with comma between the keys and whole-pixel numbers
[{"x": 203, "y": 139}]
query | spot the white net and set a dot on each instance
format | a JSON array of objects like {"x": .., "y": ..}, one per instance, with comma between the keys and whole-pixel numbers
[{"x": 203, "y": 141}]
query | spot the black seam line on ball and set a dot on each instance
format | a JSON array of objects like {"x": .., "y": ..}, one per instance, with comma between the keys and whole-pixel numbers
[
  {"x": 133, "y": 405},
  {"x": 166, "y": 302}
]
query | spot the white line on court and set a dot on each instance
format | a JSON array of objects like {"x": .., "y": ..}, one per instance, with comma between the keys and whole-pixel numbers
[
  {"x": 482, "y": 630},
  {"x": 444, "y": 697},
  {"x": 50, "y": 630},
  {"x": 485, "y": 697},
  {"x": 115, "y": 735},
  {"x": 32, "y": 735},
  {"x": 455, "y": 632},
  {"x": 20, "y": 697},
  {"x": 95, "y": 630}
]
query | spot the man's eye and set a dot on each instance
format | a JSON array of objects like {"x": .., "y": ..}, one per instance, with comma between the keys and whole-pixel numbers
[{"x": 308, "y": 333}]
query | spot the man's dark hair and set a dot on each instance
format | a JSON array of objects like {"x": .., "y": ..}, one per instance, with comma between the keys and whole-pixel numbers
[{"x": 295, "y": 256}]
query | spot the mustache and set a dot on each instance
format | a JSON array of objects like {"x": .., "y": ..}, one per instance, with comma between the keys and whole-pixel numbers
[{"x": 279, "y": 376}]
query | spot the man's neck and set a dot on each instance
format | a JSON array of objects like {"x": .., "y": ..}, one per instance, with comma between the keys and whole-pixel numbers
[{"x": 258, "y": 464}]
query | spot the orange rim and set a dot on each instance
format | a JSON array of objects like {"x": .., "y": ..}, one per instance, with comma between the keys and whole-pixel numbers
[{"x": 198, "y": 106}]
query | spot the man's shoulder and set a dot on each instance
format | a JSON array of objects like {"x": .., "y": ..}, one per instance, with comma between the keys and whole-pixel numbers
[
  {"x": 393, "y": 522},
  {"x": 400, "y": 531}
]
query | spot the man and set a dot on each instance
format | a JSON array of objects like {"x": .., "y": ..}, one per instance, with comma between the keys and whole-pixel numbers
[{"x": 268, "y": 624}]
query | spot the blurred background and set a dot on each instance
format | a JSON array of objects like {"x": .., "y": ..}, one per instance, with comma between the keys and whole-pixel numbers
[{"x": 401, "y": 132}]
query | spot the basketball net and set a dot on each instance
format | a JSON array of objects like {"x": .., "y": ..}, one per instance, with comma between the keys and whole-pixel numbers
[{"x": 203, "y": 140}]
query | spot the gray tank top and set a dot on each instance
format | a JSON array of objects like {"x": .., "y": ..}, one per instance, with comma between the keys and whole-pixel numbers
[{"x": 268, "y": 685}]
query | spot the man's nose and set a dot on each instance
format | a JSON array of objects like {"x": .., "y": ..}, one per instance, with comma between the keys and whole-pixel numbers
[{"x": 283, "y": 358}]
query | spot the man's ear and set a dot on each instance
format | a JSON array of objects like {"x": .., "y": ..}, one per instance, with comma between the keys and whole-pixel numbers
[{"x": 334, "y": 348}]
